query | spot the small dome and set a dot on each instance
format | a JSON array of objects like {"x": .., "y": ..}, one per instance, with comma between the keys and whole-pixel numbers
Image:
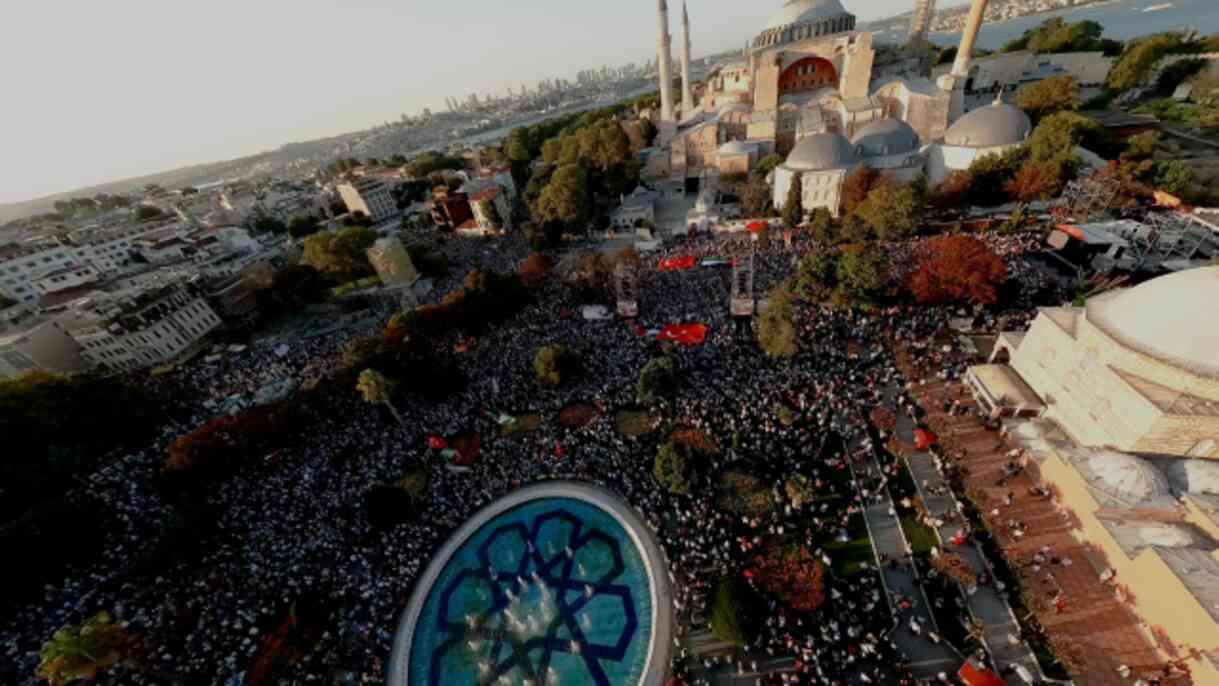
[
  {"x": 990, "y": 127},
  {"x": 734, "y": 148},
  {"x": 886, "y": 137},
  {"x": 805, "y": 11},
  {"x": 1198, "y": 477},
  {"x": 1127, "y": 477},
  {"x": 822, "y": 151},
  {"x": 1171, "y": 318}
]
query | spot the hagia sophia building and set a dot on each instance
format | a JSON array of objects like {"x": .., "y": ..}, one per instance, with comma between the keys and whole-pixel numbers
[
  {"x": 804, "y": 90},
  {"x": 1115, "y": 404}
]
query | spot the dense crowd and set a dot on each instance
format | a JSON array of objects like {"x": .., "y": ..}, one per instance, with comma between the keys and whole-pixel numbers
[{"x": 300, "y": 529}]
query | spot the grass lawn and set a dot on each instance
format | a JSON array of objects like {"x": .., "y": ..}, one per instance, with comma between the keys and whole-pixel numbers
[
  {"x": 920, "y": 536},
  {"x": 850, "y": 557},
  {"x": 524, "y": 424},
  {"x": 634, "y": 423}
]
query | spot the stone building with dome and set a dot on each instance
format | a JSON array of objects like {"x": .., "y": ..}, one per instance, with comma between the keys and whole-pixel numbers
[{"x": 1117, "y": 405}]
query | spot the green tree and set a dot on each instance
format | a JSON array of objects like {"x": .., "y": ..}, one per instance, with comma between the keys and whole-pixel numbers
[
  {"x": 552, "y": 364},
  {"x": 817, "y": 275},
  {"x": 793, "y": 207},
  {"x": 1142, "y": 146},
  {"x": 265, "y": 223},
  {"x": 673, "y": 467},
  {"x": 146, "y": 213},
  {"x": 658, "y": 379},
  {"x": 733, "y": 612},
  {"x": 1173, "y": 176},
  {"x": 862, "y": 272},
  {"x": 893, "y": 211},
  {"x": 361, "y": 351},
  {"x": 375, "y": 388},
  {"x": 566, "y": 198},
  {"x": 766, "y": 165},
  {"x": 302, "y": 226},
  {"x": 1138, "y": 59},
  {"x": 776, "y": 326},
  {"x": 1049, "y": 96},
  {"x": 821, "y": 226},
  {"x": 341, "y": 255},
  {"x": 81, "y": 652}
]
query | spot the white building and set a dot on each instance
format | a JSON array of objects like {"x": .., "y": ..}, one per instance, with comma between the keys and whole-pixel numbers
[
  {"x": 370, "y": 196},
  {"x": 145, "y": 329},
  {"x": 636, "y": 209}
]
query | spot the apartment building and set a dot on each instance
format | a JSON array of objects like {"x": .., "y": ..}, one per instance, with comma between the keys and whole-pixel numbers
[{"x": 370, "y": 196}]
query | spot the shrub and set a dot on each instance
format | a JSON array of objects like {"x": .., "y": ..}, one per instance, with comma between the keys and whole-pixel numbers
[
  {"x": 552, "y": 364},
  {"x": 733, "y": 612}
]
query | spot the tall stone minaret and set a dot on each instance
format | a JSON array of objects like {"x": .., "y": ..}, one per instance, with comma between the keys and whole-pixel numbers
[
  {"x": 954, "y": 82},
  {"x": 687, "y": 95},
  {"x": 665, "y": 65}
]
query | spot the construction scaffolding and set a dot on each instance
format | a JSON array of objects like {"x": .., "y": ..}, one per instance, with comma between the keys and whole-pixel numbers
[
  {"x": 1087, "y": 199},
  {"x": 626, "y": 285},
  {"x": 1161, "y": 241},
  {"x": 742, "y": 303}
]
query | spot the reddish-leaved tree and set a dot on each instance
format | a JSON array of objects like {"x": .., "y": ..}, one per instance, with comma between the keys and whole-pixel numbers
[
  {"x": 1035, "y": 181},
  {"x": 857, "y": 186},
  {"x": 793, "y": 575},
  {"x": 957, "y": 269},
  {"x": 535, "y": 270}
]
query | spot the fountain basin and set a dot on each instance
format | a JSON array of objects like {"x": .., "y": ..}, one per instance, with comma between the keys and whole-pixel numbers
[{"x": 556, "y": 583}]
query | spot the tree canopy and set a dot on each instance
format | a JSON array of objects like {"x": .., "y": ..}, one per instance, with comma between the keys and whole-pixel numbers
[
  {"x": 341, "y": 255},
  {"x": 1057, "y": 35},
  {"x": 957, "y": 268},
  {"x": 1048, "y": 96}
]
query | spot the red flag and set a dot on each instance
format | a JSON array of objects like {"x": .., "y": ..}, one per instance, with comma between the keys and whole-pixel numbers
[
  {"x": 558, "y": 450},
  {"x": 683, "y": 334},
  {"x": 436, "y": 443},
  {"x": 678, "y": 263}
]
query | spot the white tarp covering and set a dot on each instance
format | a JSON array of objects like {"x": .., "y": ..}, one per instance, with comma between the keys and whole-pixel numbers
[{"x": 597, "y": 312}]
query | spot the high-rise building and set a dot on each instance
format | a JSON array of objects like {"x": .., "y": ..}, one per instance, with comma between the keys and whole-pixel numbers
[{"x": 369, "y": 196}]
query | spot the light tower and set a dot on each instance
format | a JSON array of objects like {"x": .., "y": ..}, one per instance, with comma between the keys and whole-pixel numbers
[
  {"x": 687, "y": 95},
  {"x": 665, "y": 65},
  {"x": 626, "y": 286},
  {"x": 954, "y": 82},
  {"x": 742, "y": 303}
]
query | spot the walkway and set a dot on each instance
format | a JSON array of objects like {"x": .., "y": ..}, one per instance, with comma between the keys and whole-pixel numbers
[
  {"x": 927, "y": 659},
  {"x": 1001, "y": 630}
]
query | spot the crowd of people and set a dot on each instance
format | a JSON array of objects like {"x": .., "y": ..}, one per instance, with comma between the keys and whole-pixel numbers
[{"x": 300, "y": 529}]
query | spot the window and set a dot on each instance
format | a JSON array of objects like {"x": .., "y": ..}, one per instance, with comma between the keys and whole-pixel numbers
[{"x": 1203, "y": 448}]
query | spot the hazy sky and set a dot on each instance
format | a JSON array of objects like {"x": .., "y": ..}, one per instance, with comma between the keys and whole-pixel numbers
[{"x": 99, "y": 91}]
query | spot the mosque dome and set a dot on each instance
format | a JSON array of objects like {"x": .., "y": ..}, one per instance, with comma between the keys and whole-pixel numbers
[
  {"x": 1130, "y": 478},
  {"x": 821, "y": 152},
  {"x": 885, "y": 137},
  {"x": 733, "y": 148},
  {"x": 990, "y": 127},
  {"x": 1172, "y": 318},
  {"x": 1199, "y": 477},
  {"x": 805, "y": 11}
]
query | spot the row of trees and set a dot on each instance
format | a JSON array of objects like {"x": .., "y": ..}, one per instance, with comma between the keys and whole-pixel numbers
[{"x": 1057, "y": 35}]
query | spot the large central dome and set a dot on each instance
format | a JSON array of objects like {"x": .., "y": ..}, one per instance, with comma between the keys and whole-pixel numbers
[
  {"x": 805, "y": 11},
  {"x": 1173, "y": 318}
]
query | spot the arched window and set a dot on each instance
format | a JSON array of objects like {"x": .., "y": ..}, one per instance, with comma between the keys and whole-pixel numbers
[{"x": 1203, "y": 448}]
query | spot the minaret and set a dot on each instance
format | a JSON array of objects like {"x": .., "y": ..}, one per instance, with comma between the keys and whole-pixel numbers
[
  {"x": 665, "y": 65},
  {"x": 969, "y": 39},
  {"x": 687, "y": 95},
  {"x": 954, "y": 82},
  {"x": 920, "y": 23}
]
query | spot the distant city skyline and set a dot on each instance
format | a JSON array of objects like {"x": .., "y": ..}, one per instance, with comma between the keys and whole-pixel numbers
[{"x": 106, "y": 91}]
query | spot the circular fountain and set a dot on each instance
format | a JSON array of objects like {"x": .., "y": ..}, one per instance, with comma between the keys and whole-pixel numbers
[{"x": 556, "y": 583}]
